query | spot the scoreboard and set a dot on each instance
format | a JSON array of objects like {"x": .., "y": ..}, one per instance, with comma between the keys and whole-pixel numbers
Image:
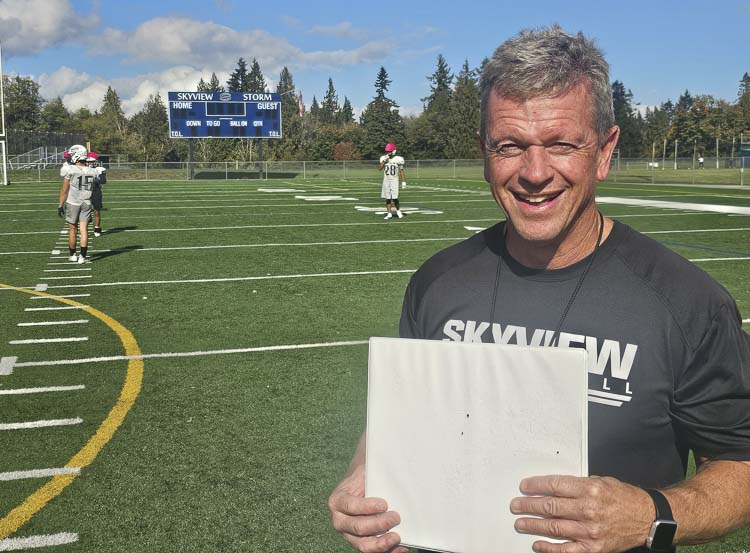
[{"x": 224, "y": 115}]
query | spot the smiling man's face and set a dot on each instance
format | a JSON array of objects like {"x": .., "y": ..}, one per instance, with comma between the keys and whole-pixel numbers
[{"x": 543, "y": 159}]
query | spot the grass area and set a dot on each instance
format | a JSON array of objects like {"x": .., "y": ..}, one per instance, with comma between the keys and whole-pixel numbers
[{"x": 232, "y": 445}]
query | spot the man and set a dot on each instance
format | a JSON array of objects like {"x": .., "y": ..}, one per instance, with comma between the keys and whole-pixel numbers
[
  {"x": 66, "y": 164},
  {"x": 75, "y": 194},
  {"x": 96, "y": 195},
  {"x": 393, "y": 169},
  {"x": 669, "y": 363}
]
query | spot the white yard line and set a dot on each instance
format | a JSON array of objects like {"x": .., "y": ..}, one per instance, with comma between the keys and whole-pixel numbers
[
  {"x": 41, "y": 390},
  {"x": 674, "y": 205},
  {"x": 36, "y": 542},
  {"x": 48, "y": 340},
  {"x": 233, "y": 279},
  {"x": 68, "y": 277},
  {"x": 37, "y": 473},
  {"x": 190, "y": 353},
  {"x": 67, "y": 270},
  {"x": 57, "y": 297},
  {"x": 57, "y": 308},
  {"x": 53, "y": 323},
  {"x": 39, "y": 424}
]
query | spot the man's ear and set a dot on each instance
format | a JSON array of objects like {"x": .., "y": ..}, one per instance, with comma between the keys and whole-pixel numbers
[{"x": 606, "y": 149}]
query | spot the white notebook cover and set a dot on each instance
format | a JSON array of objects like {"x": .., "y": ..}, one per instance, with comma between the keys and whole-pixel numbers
[{"x": 452, "y": 428}]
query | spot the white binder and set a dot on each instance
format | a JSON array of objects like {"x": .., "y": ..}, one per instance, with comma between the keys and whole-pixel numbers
[{"x": 452, "y": 428}]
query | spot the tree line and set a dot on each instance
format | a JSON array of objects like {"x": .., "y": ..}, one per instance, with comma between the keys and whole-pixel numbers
[{"x": 328, "y": 130}]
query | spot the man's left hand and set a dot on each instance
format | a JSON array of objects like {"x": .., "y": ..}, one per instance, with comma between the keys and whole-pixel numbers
[
  {"x": 61, "y": 211},
  {"x": 594, "y": 514}
]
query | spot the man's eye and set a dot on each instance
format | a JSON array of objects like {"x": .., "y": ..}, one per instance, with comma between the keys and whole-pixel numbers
[
  {"x": 508, "y": 149},
  {"x": 561, "y": 148}
]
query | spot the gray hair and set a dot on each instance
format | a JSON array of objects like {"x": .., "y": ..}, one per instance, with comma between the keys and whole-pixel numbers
[{"x": 548, "y": 62}]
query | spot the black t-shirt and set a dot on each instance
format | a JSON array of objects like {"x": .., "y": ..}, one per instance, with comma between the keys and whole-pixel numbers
[{"x": 669, "y": 364}]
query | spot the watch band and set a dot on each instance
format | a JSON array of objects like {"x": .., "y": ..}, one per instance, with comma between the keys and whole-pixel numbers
[{"x": 663, "y": 510}]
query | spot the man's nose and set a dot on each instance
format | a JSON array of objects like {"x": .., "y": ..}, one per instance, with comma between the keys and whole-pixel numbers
[{"x": 536, "y": 169}]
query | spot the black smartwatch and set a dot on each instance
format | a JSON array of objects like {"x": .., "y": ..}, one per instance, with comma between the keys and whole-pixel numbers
[{"x": 664, "y": 527}]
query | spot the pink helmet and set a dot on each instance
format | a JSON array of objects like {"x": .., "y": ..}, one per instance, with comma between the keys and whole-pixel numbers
[
  {"x": 390, "y": 148},
  {"x": 66, "y": 154},
  {"x": 93, "y": 156}
]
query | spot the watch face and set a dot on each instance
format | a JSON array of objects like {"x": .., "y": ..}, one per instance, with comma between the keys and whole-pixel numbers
[{"x": 663, "y": 532}]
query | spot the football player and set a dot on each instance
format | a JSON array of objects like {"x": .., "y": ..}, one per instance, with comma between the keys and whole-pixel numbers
[
  {"x": 75, "y": 195},
  {"x": 96, "y": 196},
  {"x": 393, "y": 170}
]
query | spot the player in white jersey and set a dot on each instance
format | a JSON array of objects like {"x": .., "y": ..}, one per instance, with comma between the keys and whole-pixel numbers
[
  {"x": 66, "y": 164},
  {"x": 96, "y": 197},
  {"x": 75, "y": 195},
  {"x": 393, "y": 170}
]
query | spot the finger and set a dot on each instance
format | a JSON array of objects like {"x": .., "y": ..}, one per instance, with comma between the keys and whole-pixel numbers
[
  {"x": 374, "y": 544},
  {"x": 349, "y": 504},
  {"x": 566, "y": 547},
  {"x": 552, "y": 528},
  {"x": 548, "y": 506},
  {"x": 363, "y": 526},
  {"x": 555, "y": 484}
]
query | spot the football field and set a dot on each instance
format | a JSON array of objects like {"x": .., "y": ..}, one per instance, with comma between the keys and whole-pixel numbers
[{"x": 201, "y": 384}]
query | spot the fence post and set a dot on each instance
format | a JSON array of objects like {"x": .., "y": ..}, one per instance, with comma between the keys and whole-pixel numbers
[
  {"x": 454, "y": 168},
  {"x": 226, "y": 170},
  {"x": 146, "y": 165},
  {"x": 304, "y": 171},
  {"x": 39, "y": 171}
]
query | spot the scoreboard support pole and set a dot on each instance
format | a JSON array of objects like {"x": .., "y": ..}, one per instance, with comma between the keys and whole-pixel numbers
[
  {"x": 191, "y": 159},
  {"x": 260, "y": 159}
]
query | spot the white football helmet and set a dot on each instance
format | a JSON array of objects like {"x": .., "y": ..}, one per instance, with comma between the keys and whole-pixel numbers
[{"x": 78, "y": 153}]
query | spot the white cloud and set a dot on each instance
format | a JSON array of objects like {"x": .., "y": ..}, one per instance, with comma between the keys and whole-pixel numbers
[
  {"x": 182, "y": 40},
  {"x": 30, "y": 26}
]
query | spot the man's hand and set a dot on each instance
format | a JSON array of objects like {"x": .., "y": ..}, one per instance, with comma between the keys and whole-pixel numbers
[
  {"x": 403, "y": 185},
  {"x": 61, "y": 211},
  {"x": 384, "y": 158},
  {"x": 363, "y": 521},
  {"x": 594, "y": 514}
]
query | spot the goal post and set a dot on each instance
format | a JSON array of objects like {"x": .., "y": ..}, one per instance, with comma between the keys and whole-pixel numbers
[{"x": 3, "y": 136}]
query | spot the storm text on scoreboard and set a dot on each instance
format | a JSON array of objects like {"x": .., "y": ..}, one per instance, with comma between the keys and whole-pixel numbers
[{"x": 224, "y": 114}]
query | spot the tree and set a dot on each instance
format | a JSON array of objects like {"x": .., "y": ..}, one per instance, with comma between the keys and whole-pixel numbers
[
  {"x": 109, "y": 125},
  {"x": 743, "y": 102},
  {"x": 346, "y": 115},
  {"x": 429, "y": 137},
  {"x": 329, "y": 108},
  {"x": 630, "y": 143},
  {"x": 239, "y": 79},
  {"x": 213, "y": 85},
  {"x": 290, "y": 146},
  {"x": 463, "y": 117},
  {"x": 150, "y": 130},
  {"x": 380, "y": 121},
  {"x": 315, "y": 109},
  {"x": 255, "y": 80},
  {"x": 55, "y": 117},
  {"x": 23, "y": 104}
]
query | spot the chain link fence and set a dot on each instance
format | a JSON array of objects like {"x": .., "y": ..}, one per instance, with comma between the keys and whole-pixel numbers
[{"x": 632, "y": 171}]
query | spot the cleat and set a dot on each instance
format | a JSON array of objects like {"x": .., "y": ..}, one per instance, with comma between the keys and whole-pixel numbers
[
  {"x": 97, "y": 231},
  {"x": 82, "y": 260},
  {"x": 73, "y": 258},
  {"x": 399, "y": 214},
  {"x": 388, "y": 216}
]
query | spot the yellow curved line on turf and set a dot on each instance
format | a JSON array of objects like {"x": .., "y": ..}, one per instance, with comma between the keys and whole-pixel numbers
[{"x": 130, "y": 390}]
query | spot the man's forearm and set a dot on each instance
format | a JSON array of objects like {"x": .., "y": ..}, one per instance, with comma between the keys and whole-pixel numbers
[{"x": 712, "y": 503}]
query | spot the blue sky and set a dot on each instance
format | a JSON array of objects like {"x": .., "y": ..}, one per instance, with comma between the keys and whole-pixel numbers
[{"x": 76, "y": 48}]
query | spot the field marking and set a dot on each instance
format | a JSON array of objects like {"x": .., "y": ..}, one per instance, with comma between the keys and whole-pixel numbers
[
  {"x": 39, "y": 424},
  {"x": 674, "y": 205},
  {"x": 233, "y": 279},
  {"x": 696, "y": 230},
  {"x": 79, "y": 306},
  {"x": 36, "y": 473},
  {"x": 36, "y": 542},
  {"x": 68, "y": 277},
  {"x": 67, "y": 270},
  {"x": 7, "y": 364},
  {"x": 699, "y": 260},
  {"x": 56, "y": 297},
  {"x": 131, "y": 387},
  {"x": 41, "y": 390},
  {"x": 48, "y": 340},
  {"x": 256, "y": 349},
  {"x": 52, "y": 323}
]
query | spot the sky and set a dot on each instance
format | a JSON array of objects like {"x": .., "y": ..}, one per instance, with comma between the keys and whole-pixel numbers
[{"x": 75, "y": 49}]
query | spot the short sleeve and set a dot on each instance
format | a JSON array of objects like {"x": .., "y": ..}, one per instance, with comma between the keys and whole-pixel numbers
[
  {"x": 711, "y": 403},
  {"x": 408, "y": 324}
]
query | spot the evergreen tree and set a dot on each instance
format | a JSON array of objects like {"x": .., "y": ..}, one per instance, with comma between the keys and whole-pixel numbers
[
  {"x": 346, "y": 115},
  {"x": 109, "y": 126},
  {"x": 290, "y": 146},
  {"x": 743, "y": 102},
  {"x": 463, "y": 117},
  {"x": 255, "y": 80},
  {"x": 380, "y": 121},
  {"x": 149, "y": 130},
  {"x": 202, "y": 86},
  {"x": 329, "y": 108},
  {"x": 239, "y": 79},
  {"x": 440, "y": 87},
  {"x": 428, "y": 136},
  {"x": 630, "y": 143},
  {"x": 214, "y": 85},
  {"x": 315, "y": 109}
]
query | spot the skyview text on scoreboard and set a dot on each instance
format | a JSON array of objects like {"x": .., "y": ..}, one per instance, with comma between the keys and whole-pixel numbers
[{"x": 224, "y": 114}]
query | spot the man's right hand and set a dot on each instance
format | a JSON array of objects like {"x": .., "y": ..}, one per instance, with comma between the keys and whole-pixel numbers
[
  {"x": 363, "y": 521},
  {"x": 384, "y": 158},
  {"x": 61, "y": 211}
]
